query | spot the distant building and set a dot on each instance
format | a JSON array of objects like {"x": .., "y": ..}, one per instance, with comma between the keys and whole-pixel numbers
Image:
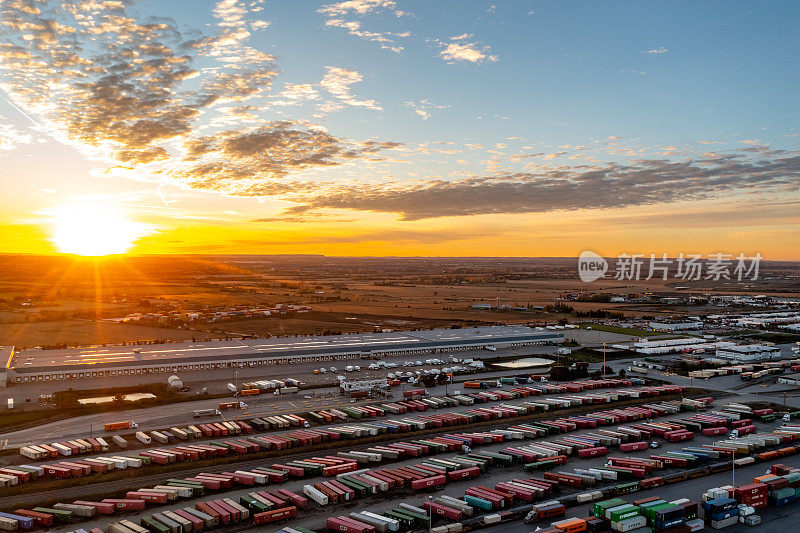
[
  {"x": 481, "y": 306},
  {"x": 749, "y": 353},
  {"x": 677, "y": 325}
]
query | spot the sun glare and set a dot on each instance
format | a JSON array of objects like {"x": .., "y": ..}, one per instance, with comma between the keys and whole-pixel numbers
[{"x": 95, "y": 228}]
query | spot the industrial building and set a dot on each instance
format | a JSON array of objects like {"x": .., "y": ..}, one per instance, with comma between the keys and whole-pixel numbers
[
  {"x": 682, "y": 345},
  {"x": 675, "y": 325},
  {"x": 749, "y": 353},
  {"x": 104, "y": 361}
]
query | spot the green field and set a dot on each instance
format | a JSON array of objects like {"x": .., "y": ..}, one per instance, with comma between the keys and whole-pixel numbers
[{"x": 622, "y": 331}]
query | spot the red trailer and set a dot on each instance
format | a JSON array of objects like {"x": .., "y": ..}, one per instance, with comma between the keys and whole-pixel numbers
[
  {"x": 152, "y": 497},
  {"x": 592, "y": 452},
  {"x": 633, "y": 446},
  {"x": 41, "y": 519},
  {"x": 437, "y": 509},
  {"x": 57, "y": 471},
  {"x": 234, "y": 513},
  {"x": 464, "y": 473},
  {"x": 425, "y": 483},
  {"x": 126, "y": 504},
  {"x": 197, "y": 524},
  {"x": 100, "y": 507},
  {"x": 348, "y": 525},
  {"x": 223, "y": 514},
  {"x": 242, "y": 479},
  {"x": 294, "y": 471},
  {"x": 275, "y": 515}
]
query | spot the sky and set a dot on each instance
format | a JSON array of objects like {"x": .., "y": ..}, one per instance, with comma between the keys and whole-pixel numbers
[{"x": 408, "y": 128}]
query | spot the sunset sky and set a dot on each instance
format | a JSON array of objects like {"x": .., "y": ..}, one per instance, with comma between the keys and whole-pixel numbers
[{"x": 380, "y": 127}]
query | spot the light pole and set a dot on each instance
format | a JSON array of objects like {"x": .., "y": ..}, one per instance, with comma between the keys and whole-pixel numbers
[{"x": 604, "y": 360}]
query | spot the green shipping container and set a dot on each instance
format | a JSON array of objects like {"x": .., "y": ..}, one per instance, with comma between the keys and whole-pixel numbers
[
  {"x": 59, "y": 515},
  {"x": 153, "y": 525},
  {"x": 600, "y": 507},
  {"x": 650, "y": 512},
  {"x": 624, "y": 513}
]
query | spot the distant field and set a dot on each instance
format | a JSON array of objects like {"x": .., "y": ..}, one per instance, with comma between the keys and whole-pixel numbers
[{"x": 82, "y": 332}]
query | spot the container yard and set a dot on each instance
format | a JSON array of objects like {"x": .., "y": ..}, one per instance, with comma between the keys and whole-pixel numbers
[{"x": 401, "y": 463}]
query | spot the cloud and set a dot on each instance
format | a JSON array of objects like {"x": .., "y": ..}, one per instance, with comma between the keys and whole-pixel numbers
[
  {"x": 422, "y": 108},
  {"x": 656, "y": 51},
  {"x": 385, "y": 39},
  {"x": 610, "y": 185},
  {"x": 356, "y": 6},
  {"x": 464, "y": 50},
  {"x": 337, "y": 82},
  {"x": 296, "y": 94},
  {"x": 352, "y": 8},
  {"x": 11, "y": 137},
  {"x": 123, "y": 89}
]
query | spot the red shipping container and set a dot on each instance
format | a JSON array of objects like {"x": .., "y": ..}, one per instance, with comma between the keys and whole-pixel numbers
[
  {"x": 100, "y": 507},
  {"x": 40, "y": 519},
  {"x": 242, "y": 479},
  {"x": 276, "y": 515},
  {"x": 348, "y": 525},
  {"x": 464, "y": 473},
  {"x": 126, "y": 504},
  {"x": 152, "y": 497},
  {"x": 633, "y": 446},
  {"x": 437, "y": 509},
  {"x": 296, "y": 499},
  {"x": 425, "y": 483},
  {"x": 235, "y": 514},
  {"x": 592, "y": 452},
  {"x": 224, "y": 516},
  {"x": 197, "y": 524}
]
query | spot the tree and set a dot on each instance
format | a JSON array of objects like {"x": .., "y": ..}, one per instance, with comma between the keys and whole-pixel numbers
[{"x": 622, "y": 373}]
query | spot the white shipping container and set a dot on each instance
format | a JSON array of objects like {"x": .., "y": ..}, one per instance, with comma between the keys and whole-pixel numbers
[
  {"x": 62, "y": 450},
  {"x": 31, "y": 453},
  {"x": 314, "y": 494},
  {"x": 186, "y": 525}
]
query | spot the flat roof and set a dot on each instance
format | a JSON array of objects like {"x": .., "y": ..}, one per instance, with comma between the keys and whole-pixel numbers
[
  {"x": 750, "y": 348},
  {"x": 218, "y": 350}
]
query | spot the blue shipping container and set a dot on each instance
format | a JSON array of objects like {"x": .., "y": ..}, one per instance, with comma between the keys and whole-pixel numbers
[{"x": 24, "y": 522}]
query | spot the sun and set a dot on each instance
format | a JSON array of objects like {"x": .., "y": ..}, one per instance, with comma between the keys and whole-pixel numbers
[{"x": 95, "y": 227}]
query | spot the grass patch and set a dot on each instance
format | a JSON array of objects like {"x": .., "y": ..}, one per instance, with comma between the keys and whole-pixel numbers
[
  {"x": 777, "y": 338},
  {"x": 623, "y": 331}
]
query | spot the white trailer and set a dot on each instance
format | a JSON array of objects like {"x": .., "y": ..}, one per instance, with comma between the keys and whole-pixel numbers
[{"x": 316, "y": 495}]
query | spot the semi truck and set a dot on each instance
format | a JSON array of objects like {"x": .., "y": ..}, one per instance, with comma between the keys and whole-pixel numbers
[{"x": 118, "y": 426}]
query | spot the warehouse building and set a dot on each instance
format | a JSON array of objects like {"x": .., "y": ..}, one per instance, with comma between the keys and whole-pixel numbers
[
  {"x": 749, "y": 353},
  {"x": 39, "y": 365},
  {"x": 675, "y": 325}
]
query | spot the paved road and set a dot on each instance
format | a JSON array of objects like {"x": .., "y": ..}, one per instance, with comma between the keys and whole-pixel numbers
[
  {"x": 314, "y": 517},
  {"x": 181, "y": 414},
  {"x": 273, "y": 406},
  {"x": 763, "y": 390}
]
